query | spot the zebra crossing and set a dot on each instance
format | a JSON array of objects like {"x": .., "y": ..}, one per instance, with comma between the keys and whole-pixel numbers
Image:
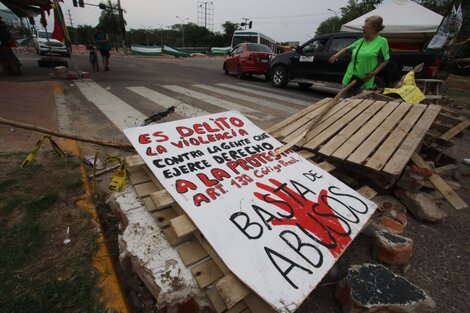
[{"x": 263, "y": 106}]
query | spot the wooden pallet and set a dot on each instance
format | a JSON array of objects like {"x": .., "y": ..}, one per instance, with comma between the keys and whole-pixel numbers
[
  {"x": 378, "y": 136},
  {"x": 223, "y": 289}
]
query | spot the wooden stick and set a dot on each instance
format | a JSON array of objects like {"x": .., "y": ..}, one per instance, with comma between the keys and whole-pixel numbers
[
  {"x": 312, "y": 123},
  {"x": 57, "y": 134}
]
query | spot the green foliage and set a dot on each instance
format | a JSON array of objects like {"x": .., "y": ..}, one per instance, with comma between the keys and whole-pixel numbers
[
  {"x": 438, "y": 6},
  {"x": 356, "y": 8},
  {"x": 330, "y": 25},
  {"x": 229, "y": 29}
]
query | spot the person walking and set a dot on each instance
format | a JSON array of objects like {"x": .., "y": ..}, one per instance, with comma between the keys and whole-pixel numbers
[
  {"x": 369, "y": 55},
  {"x": 103, "y": 45}
]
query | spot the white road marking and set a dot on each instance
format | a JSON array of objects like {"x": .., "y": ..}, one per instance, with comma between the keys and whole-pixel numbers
[
  {"x": 119, "y": 112},
  {"x": 183, "y": 109},
  {"x": 268, "y": 94},
  {"x": 261, "y": 116},
  {"x": 240, "y": 96}
]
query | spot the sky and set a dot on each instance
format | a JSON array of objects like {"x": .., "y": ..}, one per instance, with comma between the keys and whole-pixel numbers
[{"x": 294, "y": 20}]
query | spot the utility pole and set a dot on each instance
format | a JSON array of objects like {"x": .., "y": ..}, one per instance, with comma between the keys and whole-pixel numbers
[
  {"x": 182, "y": 30},
  {"x": 70, "y": 19},
  {"x": 245, "y": 23},
  {"x": 123, "y": 26}
]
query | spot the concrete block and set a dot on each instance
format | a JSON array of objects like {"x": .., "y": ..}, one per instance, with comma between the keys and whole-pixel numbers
[
  {"x": 373, "y": 288},
  {"x": 392, "y": 249},
  {"x": 421, "y": 206}
]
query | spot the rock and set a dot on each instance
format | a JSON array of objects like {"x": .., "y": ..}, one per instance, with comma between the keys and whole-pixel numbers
[
  {"x": 421, "y": 206},
  {"x": 374, "y": 288},
  {"x": 392, "y": 249},
  {"x": 393, "y": 225},
  {"x": 410, "y": 184}
]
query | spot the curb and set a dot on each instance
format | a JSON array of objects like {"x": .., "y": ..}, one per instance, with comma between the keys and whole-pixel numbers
[{"x": 109, "y": 283}]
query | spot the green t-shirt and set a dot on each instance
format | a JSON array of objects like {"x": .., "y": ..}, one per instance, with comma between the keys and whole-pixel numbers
[
  {"x": 105, "y": 45},
  {"x": 371, "y": 53}
]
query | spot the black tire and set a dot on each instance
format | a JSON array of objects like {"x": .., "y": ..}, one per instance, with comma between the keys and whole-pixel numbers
[
  {"x": 225, "y": 68},
  {"x": 240, "y": 74},
  {"x": 304, "y": 85},
  {"x": 279, "y": 76}
]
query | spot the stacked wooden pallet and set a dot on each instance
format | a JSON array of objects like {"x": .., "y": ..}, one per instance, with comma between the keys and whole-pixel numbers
[
  {"x": 224, "y": 290},
  {"x": 372, "y": 135}
]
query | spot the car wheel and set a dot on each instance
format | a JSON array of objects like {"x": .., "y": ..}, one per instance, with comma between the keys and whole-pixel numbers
[
  {"x": 279, "y": 76},
  {"x": 225, "y": 68},
  {"x": 240, "y": 74},
  {"x": 305, "y": 85}
]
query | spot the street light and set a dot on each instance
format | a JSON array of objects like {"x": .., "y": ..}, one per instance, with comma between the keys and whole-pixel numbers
[
  {"x": 333, "y": 12},
  {"x": 182, "y": 31}
]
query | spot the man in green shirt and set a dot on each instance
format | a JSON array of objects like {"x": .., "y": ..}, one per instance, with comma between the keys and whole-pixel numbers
[
  {"x": 103, "y": 45},
  {"x": 369, "y": 55}
]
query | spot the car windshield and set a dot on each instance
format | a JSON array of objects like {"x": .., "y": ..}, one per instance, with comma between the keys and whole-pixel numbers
[
  {"x": 44, "y": 35},
  {"x": 258, "y": 48}
]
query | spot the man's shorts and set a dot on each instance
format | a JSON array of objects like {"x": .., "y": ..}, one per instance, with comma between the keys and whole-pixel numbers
[{"x": 104, "y": 53}]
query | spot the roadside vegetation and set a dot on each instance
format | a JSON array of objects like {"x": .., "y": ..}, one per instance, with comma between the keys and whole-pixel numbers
[{"x": 38, "y": 270}]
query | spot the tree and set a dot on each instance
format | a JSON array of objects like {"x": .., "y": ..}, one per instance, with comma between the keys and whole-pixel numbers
[
  {"x": 354, "y": 9},
  {"x": 438, "y": 6},
  {"x": 330, "y": 25},
  {"x": 109, "y": 21},
  {"x": 229, "y": 29}
]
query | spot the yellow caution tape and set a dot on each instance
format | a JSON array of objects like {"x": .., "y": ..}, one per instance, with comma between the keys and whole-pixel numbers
[
  {"x": 119, "y": 178},
  {"x": 30, "y": 157}
]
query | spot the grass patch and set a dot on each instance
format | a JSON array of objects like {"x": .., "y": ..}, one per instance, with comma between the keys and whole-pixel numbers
[{"x": 39, "y": 273}]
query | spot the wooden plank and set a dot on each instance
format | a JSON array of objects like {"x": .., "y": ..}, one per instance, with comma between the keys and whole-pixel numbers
[
  {"x": 350, "y": 129},
  {"x": 145, "y": 189},
  {"x": 367, "y": 192},
  {"x": 173, "y": 239},
  {"x": 216, "y": 300},
  {"x": 192, "y": 253},
  {"x": 306, "y": 154},
  {"x": 326, "y": 166},
  {"x": 162, "y": 199},
  {"x": 320, "y": 138},
  {"x": 398, "y": 161},
  {"x": 451, "y": 196},
  {"x": 182, "y": 225},
  {"x": 388, "y": 147},
  {"x": 149, "y": 205},
  {"x": 442, "y": 126},
  {"x": 375, "y": 139},
  {"x": 291, "y": 127},
  {"x": 231, "y": 289},
  {"x": 353, "y": 142},
  {"x": 446, "y": 169},
  {"x": 448, "y": 118},
  {"x": 206, "y": 273},
  {"x": 205, "y": 244},
  {"x": 153, "y": 178},
  {"x": 338, "y": 110},
  {"x": 133, "y": 162},
  {"x": 239, "y": 308},
  {"x": 257, "y": 305},
  {"x": 455, "y": 130},
  {"x": 275, "y": 128},
  {"x": 138, "y": 177},
  {"x": 163, "y": 217}
]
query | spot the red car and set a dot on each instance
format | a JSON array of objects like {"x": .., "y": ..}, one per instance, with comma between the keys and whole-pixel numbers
[{"x": 248, "y": 59}]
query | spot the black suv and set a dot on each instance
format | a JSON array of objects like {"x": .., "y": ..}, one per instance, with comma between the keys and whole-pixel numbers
[{"x": 309, "y": 63}]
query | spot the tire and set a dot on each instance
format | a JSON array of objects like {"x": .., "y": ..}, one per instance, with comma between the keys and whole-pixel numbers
[
  {"x": 279, "y": 76},
  {"x": 240, "y": 74},
  {"x": 225, "y": 68},
  {"x": 304, "y": 85}
]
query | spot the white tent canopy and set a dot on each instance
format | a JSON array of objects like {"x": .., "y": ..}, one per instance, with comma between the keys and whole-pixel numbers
[{"x": 401, "y": 17}]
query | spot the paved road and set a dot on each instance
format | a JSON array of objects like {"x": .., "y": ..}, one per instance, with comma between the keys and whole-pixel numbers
[{"x": 135, "y": 88}]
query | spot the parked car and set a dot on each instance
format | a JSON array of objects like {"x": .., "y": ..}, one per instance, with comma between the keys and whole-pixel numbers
[
  {"x": 46, "y": 45},
  {"x": 309, "y": 63},
  {"x": 248, "y": 59}
]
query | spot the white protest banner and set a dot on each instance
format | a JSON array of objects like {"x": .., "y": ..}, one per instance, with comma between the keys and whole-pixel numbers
[{"x": 278, "y": 222}]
